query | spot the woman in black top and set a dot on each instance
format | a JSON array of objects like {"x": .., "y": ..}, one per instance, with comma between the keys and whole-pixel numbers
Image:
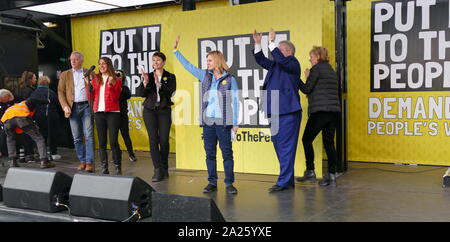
[
  {"x": 158, "y": 88},
  {"x": 322, "y": 88},
  {"x": 124, "y": 129}
]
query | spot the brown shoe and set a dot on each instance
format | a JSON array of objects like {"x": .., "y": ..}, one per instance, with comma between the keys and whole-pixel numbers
[
  {"x": 82, "y": 166},
  {"x": 89, "y": 167}
]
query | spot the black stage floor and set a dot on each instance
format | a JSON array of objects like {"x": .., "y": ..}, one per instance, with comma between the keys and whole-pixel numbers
[{"x": 366, "y": 192}]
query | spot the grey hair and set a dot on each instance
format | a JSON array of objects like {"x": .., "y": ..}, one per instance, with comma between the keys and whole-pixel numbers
[
  {"x": 4, "y": 93},
  {"x": 79, "y": 54},
  {"x": 289, "y": 44}
]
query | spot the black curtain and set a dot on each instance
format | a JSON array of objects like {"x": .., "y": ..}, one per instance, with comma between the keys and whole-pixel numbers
[{"x": 18, "y": 53}]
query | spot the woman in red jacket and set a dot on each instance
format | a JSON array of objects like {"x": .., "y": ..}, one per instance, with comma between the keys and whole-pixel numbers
[{"x": 104, "y": 90}]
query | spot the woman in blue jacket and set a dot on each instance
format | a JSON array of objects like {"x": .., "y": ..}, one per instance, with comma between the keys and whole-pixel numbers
[{"x": 219, "y": 114}]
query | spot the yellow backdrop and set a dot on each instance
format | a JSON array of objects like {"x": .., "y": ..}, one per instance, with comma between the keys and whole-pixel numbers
[
  {"x": 428, "y": 146},
  {"x": 216, "y": 18}
]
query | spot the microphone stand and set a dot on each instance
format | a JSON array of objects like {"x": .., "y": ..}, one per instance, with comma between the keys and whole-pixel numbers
[{"x": 49, "y": 153}]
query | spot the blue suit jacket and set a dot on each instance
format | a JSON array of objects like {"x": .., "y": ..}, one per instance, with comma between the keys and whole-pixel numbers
[{"x": 283, "y": 75}]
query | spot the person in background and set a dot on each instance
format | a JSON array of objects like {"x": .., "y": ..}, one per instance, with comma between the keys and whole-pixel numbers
[
  {"x": 74, "y": 102},
  {"x": 6, "y": 101},
  {"x": 27, "y": 85},
  {"x": 322, "y": 88},
  {"x": 18, "y": 119},
  {"x": 47, "y": 115},
  {"x": 104, "y": 90},
  {"x": 282, "y": 79},
  {"x": 219, "y": 114},
  {"x": 158, "y": 88},
  {"x": 124, "y": 128}
]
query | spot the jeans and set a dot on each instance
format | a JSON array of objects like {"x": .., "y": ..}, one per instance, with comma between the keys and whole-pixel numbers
[
  {"x": 212, "y": 134},
  {"x": 81, "y": 126}
]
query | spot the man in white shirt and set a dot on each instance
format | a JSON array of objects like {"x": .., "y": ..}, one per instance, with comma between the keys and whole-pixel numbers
[{"x": 74, "y": 102}]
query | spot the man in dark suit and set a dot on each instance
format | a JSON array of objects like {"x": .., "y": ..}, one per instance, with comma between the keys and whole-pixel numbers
[{"x": 282, "y": 103}]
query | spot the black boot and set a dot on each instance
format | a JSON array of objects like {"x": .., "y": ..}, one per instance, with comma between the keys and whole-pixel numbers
[
  {"x": 132, "y": 157},
  {"x": 105, "y": 167},
  {"x": 309, "y": 175},
  {"x": 166, "y": 173},
  {"x": 117, "y": 169},
  {"x": 157, "y": 175},
  {"x": 329, "y": 180}
]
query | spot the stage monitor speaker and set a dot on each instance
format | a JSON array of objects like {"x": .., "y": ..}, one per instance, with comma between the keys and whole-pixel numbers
[
  {"x": 36, "y": 189},
  {"x": 110, "y": 197},
  {"x": 188, "y": 5},
  {"x": 180, "y": 208},
  {"x": 239, "y": 2}
]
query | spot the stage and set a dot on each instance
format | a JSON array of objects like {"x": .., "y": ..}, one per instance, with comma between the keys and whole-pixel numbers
[{"x": 366, "y": 192}]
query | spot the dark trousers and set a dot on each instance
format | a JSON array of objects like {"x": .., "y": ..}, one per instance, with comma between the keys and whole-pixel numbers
[
  {"x": 108, "y": 122},
  {"x": 158, "y": 124},
  {"x": 125, "y": 132},
  {"x": 285, "y": 143},
  {"x": 28, "y": 144},
  {"x": 222, "y": 134},
  {"x": 327, "y": 123},
  {"x": 31, "y": 130},
  {"x": 49, "y": 126},
  {"x": 3, "y": 144}
]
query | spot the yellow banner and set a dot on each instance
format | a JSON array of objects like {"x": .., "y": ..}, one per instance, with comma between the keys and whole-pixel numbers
[
  {"x": 253, "y": 152},
  {"x": 398, "y": 110}
]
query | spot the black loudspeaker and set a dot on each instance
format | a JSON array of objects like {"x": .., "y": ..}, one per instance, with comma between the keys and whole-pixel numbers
[
  {"x": 238, "y": 2},
  {"x": 188, "y": 5},
  {"x": 36, "y": 189},
  {"x": 1, "y": 193},
  {"x": 110, "y": 197},
  {"x": 180, "y": 208}
]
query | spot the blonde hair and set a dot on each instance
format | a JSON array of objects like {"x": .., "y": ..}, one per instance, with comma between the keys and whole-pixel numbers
[
  {"x": 44, "y": 81},
  {"x": 219, "y": 60},
  {"x": 320, "y": 52}
]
